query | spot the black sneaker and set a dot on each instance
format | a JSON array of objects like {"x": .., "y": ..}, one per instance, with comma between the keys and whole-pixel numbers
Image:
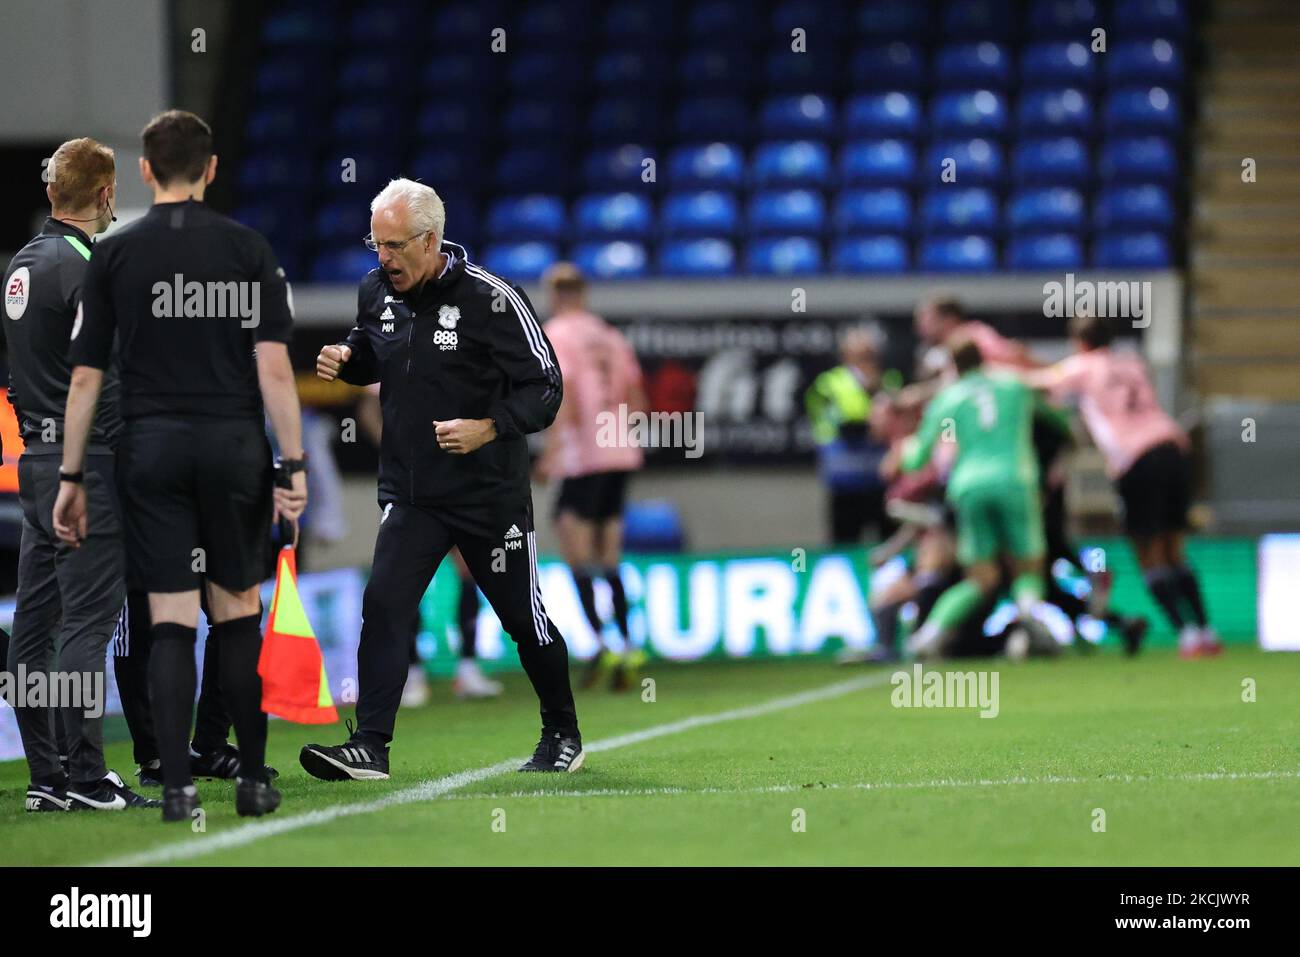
[
  {"x": 46, "y": 797},
  {"x": 1133, "y": 631},
  {"x": 179, "y": 804},
  {"x": 100, "y": 796},
  {"x": 149, "y": 774},
  {"x": 133, "y": 800},
  {"x": 353, "y": 760},
  {"x": 255, "y": 798},
  {"x": 555, "y": 753},
  {"x": 220, "y": 764}
]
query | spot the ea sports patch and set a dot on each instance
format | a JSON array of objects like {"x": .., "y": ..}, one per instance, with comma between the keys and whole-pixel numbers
[
  {"x": 448, "y": 316},
  {"x": 17, "y": 291}
]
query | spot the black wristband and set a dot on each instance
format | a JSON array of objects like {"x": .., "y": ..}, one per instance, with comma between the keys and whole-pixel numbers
[{"x": 76, "y": 478}]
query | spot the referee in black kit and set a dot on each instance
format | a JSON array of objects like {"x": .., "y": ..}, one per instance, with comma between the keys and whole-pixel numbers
[
  {"x": 465, "y": 373},
  {"x": 200, "y": 313}
]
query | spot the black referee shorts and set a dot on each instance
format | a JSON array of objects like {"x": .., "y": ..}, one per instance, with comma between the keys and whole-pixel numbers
[
  {"x": 187, "y": 484},
  {"x": 597, "y": 497},
  {"x": 1156, "y": 491}
]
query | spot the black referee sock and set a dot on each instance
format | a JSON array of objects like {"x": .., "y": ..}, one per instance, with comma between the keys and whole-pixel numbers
[
  {"x": 1163, "y": 585},
  {"x": 240, "y": 644},
  {"x": 172, "y": 683},
  {"x": 620, "y": 599},
  {"x": 587, "y": 595},
  {"x": 467, "y": 616},
  {"x": 1190, "y": 589}
]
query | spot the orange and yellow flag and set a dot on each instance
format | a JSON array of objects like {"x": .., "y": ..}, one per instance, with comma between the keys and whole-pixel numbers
[{"x": 294, "y": 686}]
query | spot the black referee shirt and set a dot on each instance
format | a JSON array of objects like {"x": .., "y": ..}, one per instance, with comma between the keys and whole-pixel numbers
[
  {"x": 189, "y": 293},
  {"x": 42, "y": 290}
]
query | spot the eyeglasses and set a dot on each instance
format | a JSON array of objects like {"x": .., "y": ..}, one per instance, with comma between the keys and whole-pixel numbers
[{"x": 392, "y": 245}]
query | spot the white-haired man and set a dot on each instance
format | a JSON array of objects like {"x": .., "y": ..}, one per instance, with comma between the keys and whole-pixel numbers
[{"x": 465, "y": 373}]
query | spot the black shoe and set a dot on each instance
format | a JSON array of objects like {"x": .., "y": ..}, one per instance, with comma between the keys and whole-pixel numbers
[
  {"x": 46, "y": 797},
  {"x": 255, "y": 798},
  {"x": 354, "y": 760},
  {"x": 555, "y": 753},
  {"x": 149, "y": 774},
  {"x": 133, "y": 800},
  {"x": 102, "y": 795},
  {"x": 221, "y": 764},
  {"x": 1133, "y": 630},
  {"x": 179, "y": 804}
]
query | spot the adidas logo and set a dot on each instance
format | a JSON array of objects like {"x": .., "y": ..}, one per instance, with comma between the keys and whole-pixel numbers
[
  {"x": 514, "y": 538},
  {"x": 386, "y": 317},
  {"x": 514, "y": 532}
]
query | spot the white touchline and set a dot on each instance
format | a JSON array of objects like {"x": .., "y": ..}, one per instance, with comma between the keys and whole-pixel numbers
[{"x": 431, "y": 790}]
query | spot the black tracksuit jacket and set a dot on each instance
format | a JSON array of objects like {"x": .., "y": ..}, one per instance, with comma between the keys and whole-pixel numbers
[{"x": 466, "y": 346}]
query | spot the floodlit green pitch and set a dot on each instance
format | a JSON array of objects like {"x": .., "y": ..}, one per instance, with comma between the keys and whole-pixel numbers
[{"x": 1095, "y": 760}]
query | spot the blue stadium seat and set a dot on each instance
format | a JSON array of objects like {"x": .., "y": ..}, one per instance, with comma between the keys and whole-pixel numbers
[
  {"x": 521, "y": 170},
  {"x": 535, "y": 216},
  {"x": 979, "y": 19},
  {"x": 369, "y": 74},
  {"x": 1052, "y": 251},
  {"x": 280, "y": 221},
  {"x": 984, "y": 64},
  {"x": 794, "y": 211},
  {"x": 557, "y": 72},
  {"x": 450, "y": 120},
  {"x": 969, "y": 112},
  {"x": 797, "y": 116},
  {"x": 636, "y": 71},
  {"x": 458, "y": 24},
  {"x": 725, "y": 21},
  {"x": 1151, "y": 62},
  {"x": 1046, "y": 209},
  {"x": 458, "y": 74},
  {"x": 862, "y": 211},
  {"x": 888, "y": 66},
  {"x": 1150, "y": 18},
  {"x": 1147, "y": 159},
  {"x": 816, "y": 70},
  {"x": 638, "y": 21},
  {"x": 540, "y": 119},
  {"x": 614, "y": 215},
  {"x": 977, "y": 162},
  {"x": 877, "y": 162},
  {"x": 276, "y": 124},
  {"x": 1067, "y": 19},
  {"x": 341, "y": 222},
  {"x": 1143, "y": 110},
  {"x": 702, "y": 213},
  {"x": 367, "y": 172},
  {"x": 387, "y": 25},
  {"x": 300, "y": 28},
  {"x": 617, "y": 260},
  {"x": 958, "y": 254},
  {"x": 818, "y": 17},
  {"x": 446, "y": 169},
  {"x": 957, "y": 210},
  {"x": 291, "y": 78},
  {"x": 883, "y": 114},
  {"x": 364, "y": 122},
  {"x": 716, "y": 69},
  {"x": 1055, "y": 111},
  {"x": 1059, "y": 159},
  {"x": 1133, "y": 207},
  {"x": 714, "y": 117},
  {"x": 1058, "y": 63},
  {"x": 519, "y": 262},
  {"x": 653, "y": 525},
  {"x": 1131, "y": 250},
  {"x": 697, "y": 257},
  {"x": 720, "y": 165},
  {"x": 894, "y": 21},
  {"x": 615, "y": 167},
  {"x": 346, "y": 264},
  {"x": 788, "y": 256},
  {"x": 623, "y": 120},
  {"x": 555, "y": 23},
  {"x": 870, "y": 254},
  {"x": 801, "y": 163},
  {"x": 275, "y": 171}
]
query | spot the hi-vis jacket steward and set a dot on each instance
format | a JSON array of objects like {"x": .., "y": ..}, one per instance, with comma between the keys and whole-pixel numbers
[{"x": 466, "y": 346}]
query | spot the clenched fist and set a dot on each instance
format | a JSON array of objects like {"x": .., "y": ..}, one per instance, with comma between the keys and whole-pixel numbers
[
  {"x": 462, "y": 436},
  {"x": 331, "y": 360}
]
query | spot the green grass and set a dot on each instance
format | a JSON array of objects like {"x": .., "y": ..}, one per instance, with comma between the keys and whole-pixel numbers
[{"x": 1185, "y": 771}]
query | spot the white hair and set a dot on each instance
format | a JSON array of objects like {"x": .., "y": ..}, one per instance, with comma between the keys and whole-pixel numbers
[{"x": 427, "y": 212}]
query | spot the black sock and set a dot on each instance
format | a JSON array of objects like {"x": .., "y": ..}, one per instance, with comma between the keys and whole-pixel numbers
[
  {"x": 240, "y": 643},
  {"x": 172, "y": 681},
  {"x": 885, "y": 618},
  {"x": 587, "y": 595},
  {"x": 467, "y": 615},
  {"x": 1190, "y": 589},
  {"x": 1163, "y": 585},
  {"x": 620, "y": 599},
  {"x": 211, "y": 722}
]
